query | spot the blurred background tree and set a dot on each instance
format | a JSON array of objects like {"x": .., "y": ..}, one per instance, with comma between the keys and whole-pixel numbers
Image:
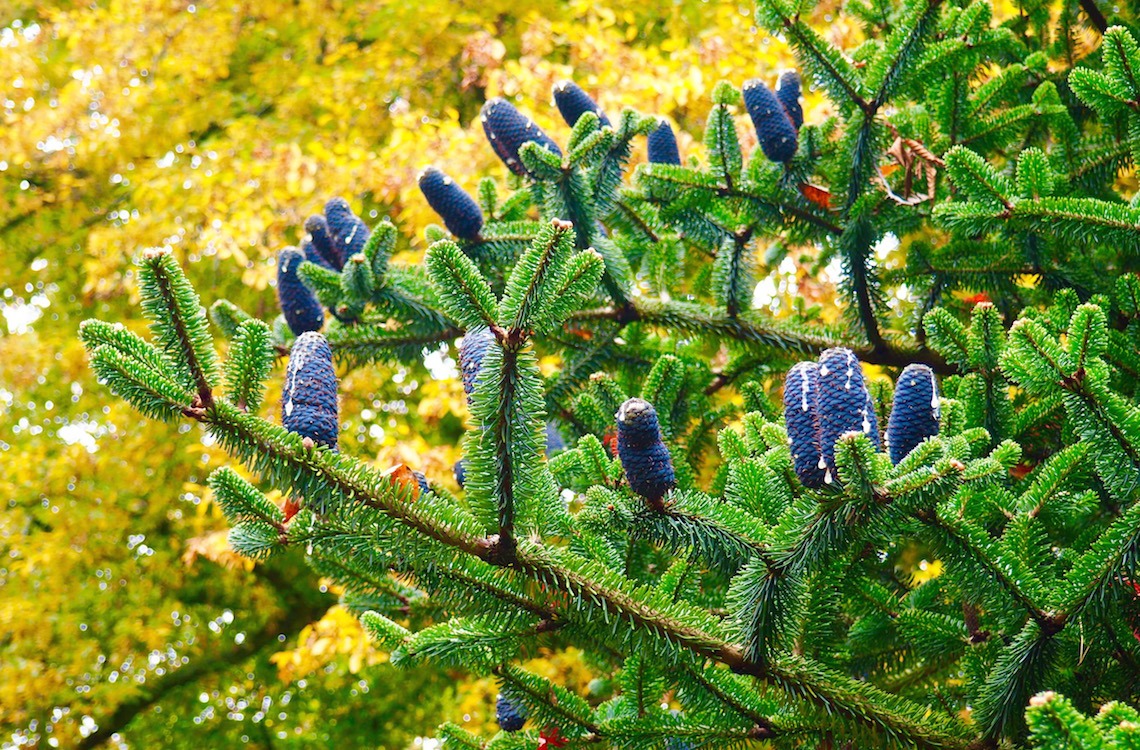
[{"x": 215, "y": 129}]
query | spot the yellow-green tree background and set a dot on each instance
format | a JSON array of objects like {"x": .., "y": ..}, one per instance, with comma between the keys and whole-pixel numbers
[{"x": 215, "y": 128}]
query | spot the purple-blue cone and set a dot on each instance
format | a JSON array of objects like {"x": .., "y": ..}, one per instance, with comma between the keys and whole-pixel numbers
[
  {"x": 508, "y": 129},
  {"x": 349, "y": 233},
  {"x": 311, "y": 255},
  {"x": 914, "y": 413},
  {"x": 422, "y": 481},
  {"x": 322, "y": 241},
  {"x": 554, "y": 441},
  {"x": 663, "y": 145},
  {"x": 511, "y": 716},
  {"x": 573, "y": 102},
  {"x": 774, "y": 130},
  {"x": 298, "y": 304},
  {"x": 844, "y": 402},
  {"x": 788, "y": 91},
  {"x": 801, "y": 419},
  {"x": 644, "y": 456},
  {"x": 308, "y": 399},
  {"x": 460, "y": 470},
  {"x": 459, "y": 211},
  {"x": 471, "y": 352}
]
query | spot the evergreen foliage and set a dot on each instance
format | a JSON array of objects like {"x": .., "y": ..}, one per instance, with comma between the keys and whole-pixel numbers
[{"x": 759, "y": 572}]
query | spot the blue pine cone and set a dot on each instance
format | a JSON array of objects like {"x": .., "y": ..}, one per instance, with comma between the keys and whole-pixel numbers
[
  {"x": 298, "y": 304},
  {"x": 788, "y": 91},
  {"x": 573, "y": 102},
  {"x": 801, "y": 418},
  {"x": 663, "y": 145},
  {"x": 460, "y": 470},
  {"x": 322, "y": 241},
  {"x": 471, "y": 352},
  {"x": 554, "y": 441},
  {"x": 675, "y": 744},
  {"x": 914, "y": 413},
  {"x": 844, "y": 403},
  {"x": 308, "y": 399},
  {"x": 644, "y": 456},
  {"x": 349, "y": 233},
  {"x": 511, "y": 716},
  {"x": 313, "y": 255},
  {"x": 774, "y": 130},
  {"x": 508, "y": 129},
  {"x": 422, "y": 481},
  {"x": 459, "y": 211}
]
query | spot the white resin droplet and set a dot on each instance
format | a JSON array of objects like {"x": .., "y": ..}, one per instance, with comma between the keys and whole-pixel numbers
[
  {"x": 823, "y": 371},
  {"x": 289, "y": 408},
  {"x": 804, "y": 394},
  {"x": 866, "y": 422},
  {"x": 935, "y": 402},
  {"x": 827, "y": 477},
  {"x": 822, "y": 463}
]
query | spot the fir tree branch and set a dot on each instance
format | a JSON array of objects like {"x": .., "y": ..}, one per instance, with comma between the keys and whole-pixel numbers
[
  {"x": 154, "y": 260},
  {"x": 748, "y": 329},
  {"x": 1096, "y": 17}
]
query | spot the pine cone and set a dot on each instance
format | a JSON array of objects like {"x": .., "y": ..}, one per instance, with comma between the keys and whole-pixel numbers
[
  {"x": 508, "y": 129},
  {"x": 471, "y": 352},
  {"x": 349, "y": 233},
  {"x": 914, "y": 413},
  {"x": 788, "y": 91},
  {"x": 554, "y": 441},
  {"x": 322, "y": 241},
  {"x": 510, "y": 716},
  {"x": 644, "y": 456},
  {"x": 298, "y": 304},
  {"x": 573, "y": 102},
  {"x": 844, "y": 403},
  {"x": 313, "y": 255},
  {"x": 422, "y": 481},
  {"x": 458, "y": 210},
  {"x": 663, "y": 145},
  {"x": 460, "y": 470},
  {"x": 774, "y": 130},
  {"x": 308, "y": 400},
  {"x": 801, "y": 417}
]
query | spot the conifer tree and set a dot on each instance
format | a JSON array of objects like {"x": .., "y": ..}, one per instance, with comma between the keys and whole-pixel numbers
[{"x": 706, "y": 548}]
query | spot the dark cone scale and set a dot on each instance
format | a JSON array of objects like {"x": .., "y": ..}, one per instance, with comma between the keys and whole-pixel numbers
[
  {"x": 774, "y": 130},
  {"x": 508, "y": 129},
  {"x": 644, "y": 456},
  {"x": 573, "y": 102},
  {"x": 801, "y": 418},
  {"x": 510, "y": 716},
  {"x": 471, "y": 352},
  {"x": 914, "y": 413},
  {"x": 308, "y": 399},
  {"x": 459, "y": 211},
  {"x": 349, "y": 232},
  {"x": 298, "y": 304},
  {"x": 788, "y": 91},
  {"x": 844, "y": 403},
  {"x": 663, "y": 145}
]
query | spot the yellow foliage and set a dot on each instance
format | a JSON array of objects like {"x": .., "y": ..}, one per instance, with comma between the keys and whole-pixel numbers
[{"x": 337, "y": 634}]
